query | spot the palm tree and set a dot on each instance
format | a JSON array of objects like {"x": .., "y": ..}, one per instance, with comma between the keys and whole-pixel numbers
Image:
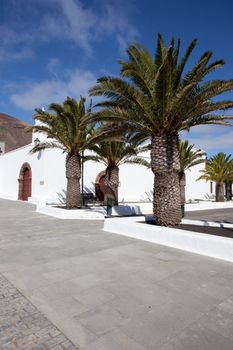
[
  {"x": 219, "y": 169},
  {"x": 189, "y": 157},
  {"x": 67, "y": 127},
  {"x": 157, "y": 99},
  {"x": 113, "y": 154}
]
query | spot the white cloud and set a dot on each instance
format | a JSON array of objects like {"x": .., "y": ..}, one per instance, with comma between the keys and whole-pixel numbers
[
  {"x": 116, "y": 21},
  {"x": 14, "y": 45},
  {"x": 10, "y": 36},
  {"x": 70, "y": 21},
  {"x": 75, "y": 23},
  {"x": 42, "y": 93},
  {"x": 53, "y": 66},
  {"x": 209, "y": 142},
  {"x": 14, "y": 54},
  {"x": 83, "y": 26}
]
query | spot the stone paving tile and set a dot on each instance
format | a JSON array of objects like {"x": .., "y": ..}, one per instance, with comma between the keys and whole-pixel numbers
[
  {"x": 197, "y": 337},
  {"x": 23, "y": 327},
  {"x": 218, "y": 321},
  {"x": 115, "y": 340}
]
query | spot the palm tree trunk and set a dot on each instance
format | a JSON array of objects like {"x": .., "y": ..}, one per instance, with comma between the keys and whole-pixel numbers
[
  {"x": 111, "y": 185},
  {"x": 73, "y": 175},
  {"x": 219, "y": 192},
  {"x": 228, "y": 186},
  {"x": 182, "y": 187},
  {"x": 165, "y": 164}
]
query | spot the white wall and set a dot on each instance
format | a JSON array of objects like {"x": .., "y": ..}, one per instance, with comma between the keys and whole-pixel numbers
[
  {"x": 49, "y": 181},
  {"x": 135, "y": 182},
  {"x": 54, "y": 175},
  {"x": 196, "y": 189},
  {"x": 10, "y": 165}
]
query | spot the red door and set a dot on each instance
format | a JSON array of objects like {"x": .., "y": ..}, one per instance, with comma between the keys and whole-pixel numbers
[
  {"x": 100, "y": 189},
  {"x": 27, "y": 184},
  {"x": 102, "y": 186}
]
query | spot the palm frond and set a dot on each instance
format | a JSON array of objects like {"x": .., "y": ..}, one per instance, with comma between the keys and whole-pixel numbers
[
  {"x": 189, "y": 156},
  {"x": 67, "y": 125},
  {"x": 139, "y": 161},
  {"x": 46, "y": 145},
  {"x": 93, "y": 158}
]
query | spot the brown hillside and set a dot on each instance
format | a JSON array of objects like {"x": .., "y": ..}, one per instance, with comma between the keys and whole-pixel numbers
[{"x": 12, "y": 132}]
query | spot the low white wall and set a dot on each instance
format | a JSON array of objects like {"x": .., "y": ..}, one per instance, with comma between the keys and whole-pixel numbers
[
  {"x": 144, "y": 207},
  {"x": 80, "y": 214},
  {"x": 126, "y": 209},
  {"x": 213, "y": 246},
  {"x": 208, "y": 205},
  {"x": 147, "y": 207}
]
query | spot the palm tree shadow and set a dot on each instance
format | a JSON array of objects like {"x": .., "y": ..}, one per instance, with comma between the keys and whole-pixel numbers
[{"x": 62, "y": 196}]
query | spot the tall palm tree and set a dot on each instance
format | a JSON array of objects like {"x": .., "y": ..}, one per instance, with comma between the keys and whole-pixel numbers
[
  {"x": 189, "y": 157},
  {"x": 219, "y": 169},
  {"x": 68, "y": 128},
  {"x": 157, "y": 99},
  {"x": 113, "y": 154}
]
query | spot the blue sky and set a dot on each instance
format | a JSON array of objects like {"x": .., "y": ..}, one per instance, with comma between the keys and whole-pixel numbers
[{"x": 50, "y": 49}]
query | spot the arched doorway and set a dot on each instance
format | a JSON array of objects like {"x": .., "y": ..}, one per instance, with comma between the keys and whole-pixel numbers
[
  {"x": 25, "y": 182},
  {"x": 100, "y": 186}
]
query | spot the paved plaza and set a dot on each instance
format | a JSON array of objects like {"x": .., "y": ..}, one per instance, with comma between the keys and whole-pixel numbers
[
  {"x": 215, "y": 215},
  {"x": 102, "y": 291}
]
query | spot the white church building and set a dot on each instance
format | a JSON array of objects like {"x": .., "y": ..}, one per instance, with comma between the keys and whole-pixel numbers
[{"x": 40, "y": 178}]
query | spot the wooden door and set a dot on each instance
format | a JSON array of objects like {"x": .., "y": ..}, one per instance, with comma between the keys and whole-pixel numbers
[
  {"x": 27, "y": 184},
  {"x": 100, "y": 188}
]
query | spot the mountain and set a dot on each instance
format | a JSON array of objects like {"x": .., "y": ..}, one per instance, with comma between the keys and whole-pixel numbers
[{"x": 12, "y": 132}]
